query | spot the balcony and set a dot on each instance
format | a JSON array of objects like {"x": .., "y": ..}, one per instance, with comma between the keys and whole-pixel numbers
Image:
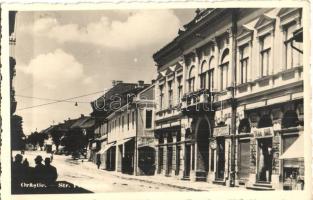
[{"x": 198, "y": 101}]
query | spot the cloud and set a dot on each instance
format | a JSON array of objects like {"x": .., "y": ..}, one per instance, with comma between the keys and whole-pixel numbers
[
  {"x": 54, "y": 69},
  {"x": 141, "y": 28}
]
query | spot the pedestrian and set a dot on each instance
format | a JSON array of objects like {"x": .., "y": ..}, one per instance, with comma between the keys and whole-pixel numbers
[
  {"x": 39, "y": 170},
  {"x": 98, "y": 163},
  {"x": 51, "y": 173},
  {"x": 17, "y": 171},
  {"x": 51, "y": 157}
]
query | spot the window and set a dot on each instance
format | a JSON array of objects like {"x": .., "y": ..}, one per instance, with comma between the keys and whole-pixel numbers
[
  {"x": 119, "y": 122},
  {"x": 191, "y": 79},
  {"x": 170, "y": 93},
  {"x": 148, "y": 118},
  {"x": 292, "y": 57},
  {"x": 127, "y": 121},
  {"x": 265, "y": 43},
  {"x": 244, "y": 58},
  {"x": 133, "y": 119},
  {"x": 204, "y": 69},
  {"x": 179, "y": 89},
  {"x": 224, "y": 69},
  {"x": 161, "y": 97}
]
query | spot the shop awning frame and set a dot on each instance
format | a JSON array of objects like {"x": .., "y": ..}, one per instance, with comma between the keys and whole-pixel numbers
[
  {"x": 107, "y": 147},
  {"x": 296, "y": 150}
]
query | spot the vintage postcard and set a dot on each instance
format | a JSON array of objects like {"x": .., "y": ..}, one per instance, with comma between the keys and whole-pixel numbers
[{"x": 150, "y": 100}]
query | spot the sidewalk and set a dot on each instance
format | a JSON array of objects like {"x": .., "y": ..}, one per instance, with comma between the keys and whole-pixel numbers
[{"x": 168, "y": 181}]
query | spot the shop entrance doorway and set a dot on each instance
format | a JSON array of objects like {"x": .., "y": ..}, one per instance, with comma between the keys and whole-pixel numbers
[
  {"x": 220, "y": 168},
  {"x": 169, "y": 160},
  {"x": 187, "y": 160},
  {"x": 265, "y": 158}
]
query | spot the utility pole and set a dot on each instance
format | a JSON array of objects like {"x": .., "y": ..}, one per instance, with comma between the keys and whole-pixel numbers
[{"x": 233, "y": 100}]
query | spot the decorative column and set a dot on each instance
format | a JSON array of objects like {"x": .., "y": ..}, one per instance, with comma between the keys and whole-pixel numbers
[
  {"x": 216, "y": 65},
  {"x": 182, "y": 154},
  {"x": 232, "y": 58},
  {"x": 276, "y": 161}
]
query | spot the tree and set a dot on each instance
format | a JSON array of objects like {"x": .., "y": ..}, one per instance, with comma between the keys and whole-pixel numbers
[{"x": 17, "y": 135}]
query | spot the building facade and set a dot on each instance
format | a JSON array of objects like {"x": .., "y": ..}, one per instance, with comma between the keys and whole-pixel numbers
[
  {"x": 229, "y": 96},
  {"x": 131, "y": 136}
]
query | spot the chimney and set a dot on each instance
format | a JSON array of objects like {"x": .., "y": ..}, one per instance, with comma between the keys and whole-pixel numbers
[
  {"x": 82, "y": 115},
  {"x": 141, "y": 83},
  {"x": 152, "y": 81}
]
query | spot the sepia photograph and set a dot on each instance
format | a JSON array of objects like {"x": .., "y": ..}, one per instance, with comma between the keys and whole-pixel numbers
[{"x": 193, "y": 99}]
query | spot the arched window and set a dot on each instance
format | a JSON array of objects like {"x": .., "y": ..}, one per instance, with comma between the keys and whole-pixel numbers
[
  {"x": 265, "y": 121},
  {"x": 290, "y": 119},
  {"x": 244, "y": 126},
  {"x": 191, "y": 79},
  {"x": 204, "y": 69},
  {"x": 224, "y": 69}
]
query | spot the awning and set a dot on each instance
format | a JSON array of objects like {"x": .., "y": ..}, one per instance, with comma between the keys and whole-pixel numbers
[
  {"x": 103, "y": 150},
  {"x": 124, "y": 141},
  {"x": 296, "y": 150}
]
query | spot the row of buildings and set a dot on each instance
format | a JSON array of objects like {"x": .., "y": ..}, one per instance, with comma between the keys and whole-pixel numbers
[{"x": 226, "y": 106}]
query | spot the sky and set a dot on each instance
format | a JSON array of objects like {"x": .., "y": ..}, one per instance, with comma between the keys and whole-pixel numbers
[{"x": 65, "y": 54}]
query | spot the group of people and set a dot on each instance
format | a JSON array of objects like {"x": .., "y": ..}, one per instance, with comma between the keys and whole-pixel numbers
[{"x": 41, "y": 173}]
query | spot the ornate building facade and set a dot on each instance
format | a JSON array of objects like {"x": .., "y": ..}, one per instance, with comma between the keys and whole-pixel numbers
[{"x": 229, "y": 98}]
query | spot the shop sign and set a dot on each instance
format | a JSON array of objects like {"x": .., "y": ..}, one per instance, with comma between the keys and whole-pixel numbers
[
  {"x": 145, "y": 141},
  {"x": 263, "y": 132},
  {"x": 221, "y": 131}
]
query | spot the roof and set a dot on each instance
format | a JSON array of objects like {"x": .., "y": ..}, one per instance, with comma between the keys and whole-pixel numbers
[{"x": 79, "y": 122}]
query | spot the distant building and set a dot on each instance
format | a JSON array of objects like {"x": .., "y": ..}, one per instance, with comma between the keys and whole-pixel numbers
[{"x": 230, "y": 98}]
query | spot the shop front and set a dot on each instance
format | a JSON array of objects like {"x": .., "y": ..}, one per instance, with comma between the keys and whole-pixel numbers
[
  {"x": 292, "y": 159},
  {"x": 220, "y": 147}
]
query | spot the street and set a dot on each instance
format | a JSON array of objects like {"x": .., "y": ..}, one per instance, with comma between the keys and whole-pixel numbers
[{"x": 86, "y": 175}]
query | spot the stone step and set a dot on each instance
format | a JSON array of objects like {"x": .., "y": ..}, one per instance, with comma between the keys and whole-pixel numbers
[
  {"x": 219, "y": 182},
  {"x": 267, "y": 185},
  {"x": 259, "y": 188}
]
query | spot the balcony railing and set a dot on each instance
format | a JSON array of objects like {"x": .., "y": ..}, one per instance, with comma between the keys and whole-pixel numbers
[{"x": 199, "y": 100}]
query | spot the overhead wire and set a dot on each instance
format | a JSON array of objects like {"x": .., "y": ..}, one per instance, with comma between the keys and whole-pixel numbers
[{"x": 59, "y": 101}]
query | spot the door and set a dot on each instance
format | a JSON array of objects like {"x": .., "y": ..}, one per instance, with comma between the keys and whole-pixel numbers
[
  {"x": 220, "y": 158},
  {"x": 187, "y": 160},
  {"x": 244, "y": 159},
  {"x": 177, "y": 160},
  {"x": 160, "y": 160},
  {"x": 265, "y": 158},
  {"x": 169, "y": 160}
]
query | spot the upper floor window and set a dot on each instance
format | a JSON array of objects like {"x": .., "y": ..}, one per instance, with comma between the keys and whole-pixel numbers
[
  {"x": 127, "y": 121},
  {"x": 133, "y": 119},
  {"x": 244, "y": 59},
  {"x": 265, "y": 54},
  {"x": 224, "y": 69},
  {"x": 179, "y": 89},
  {"x": 148, "y": 118},
  {"x": 170, "y": 93},
  {"x": 203, "y": 75},
  {"x": 191, "y": 79},
  {"x": 161, "y": 96},
  {"x": 292, "y": 57}
]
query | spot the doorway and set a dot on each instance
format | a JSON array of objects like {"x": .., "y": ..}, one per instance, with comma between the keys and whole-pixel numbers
[
  {"x": 169, "y": 160},
  {"x": 187, "y": 160},
  {"x": 220, "y": 168},
  {"x": 160, "y": 160},
  {"x": 265, "y": 158}
]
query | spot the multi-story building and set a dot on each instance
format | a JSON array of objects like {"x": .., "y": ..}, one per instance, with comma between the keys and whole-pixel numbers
[
  {"x": 131, "y": 135},
  {"x": 127, "y": 130},
  {"x": 230, "y": 97}
]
